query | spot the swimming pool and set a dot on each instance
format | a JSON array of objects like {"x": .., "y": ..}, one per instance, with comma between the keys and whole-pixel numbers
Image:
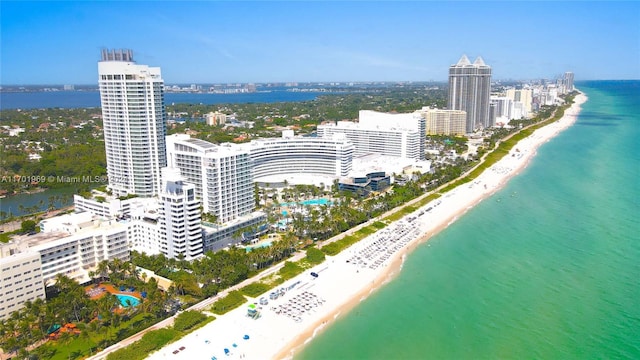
[
  {"x": 263, "y": 245},
  {"x": 134, "y": 301},
  {"x": 316, "y": 202},
  {"x": 312, "y": 202}
]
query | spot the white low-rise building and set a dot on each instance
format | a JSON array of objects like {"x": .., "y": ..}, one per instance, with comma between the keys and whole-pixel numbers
[
  {"x": 108, "y": 206},
  {"x": 219, "y": 236}
]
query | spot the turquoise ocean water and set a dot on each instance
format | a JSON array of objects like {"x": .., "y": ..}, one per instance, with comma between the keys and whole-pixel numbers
[{"x": 547, "y": 268}]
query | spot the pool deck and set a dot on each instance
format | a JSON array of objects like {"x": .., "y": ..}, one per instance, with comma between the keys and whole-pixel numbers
[{"x": 95, "y": 294}]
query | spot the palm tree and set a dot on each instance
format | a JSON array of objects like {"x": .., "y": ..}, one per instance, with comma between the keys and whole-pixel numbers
[
  {"x": 92, "y": 274},
  {"x": 52, "y": 203},
  {"x": 181, "y": 260},
  {"x": 103, "y": 269}
]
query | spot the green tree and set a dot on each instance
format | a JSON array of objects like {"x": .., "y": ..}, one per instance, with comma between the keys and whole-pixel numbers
[{"x": 28, "y": 226}]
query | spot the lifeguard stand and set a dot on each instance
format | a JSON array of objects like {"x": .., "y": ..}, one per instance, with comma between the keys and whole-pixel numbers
[{"x": 253, "y": 312}]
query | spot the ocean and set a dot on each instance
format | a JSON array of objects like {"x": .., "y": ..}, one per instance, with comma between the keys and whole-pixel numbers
[
  {"x": 546, "y": 268},
  {"x": 87, "y": 99}
]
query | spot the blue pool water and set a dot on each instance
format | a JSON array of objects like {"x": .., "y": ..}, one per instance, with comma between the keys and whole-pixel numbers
[
  {"x": 315, "y": 202},
  {"x": 263, "y": 245},
  {"x": 123, "y": 300},
  {"x": 310, "y": 202}
]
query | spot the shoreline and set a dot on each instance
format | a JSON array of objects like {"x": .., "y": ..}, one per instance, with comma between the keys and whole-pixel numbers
[{"x": 314, "y": 303}]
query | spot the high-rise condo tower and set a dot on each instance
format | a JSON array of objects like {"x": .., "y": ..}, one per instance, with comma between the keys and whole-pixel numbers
[
  {"x": 133, "y": 114},
  {"x": 469, "y": 90},
  {"x": 568, "y": 81}
]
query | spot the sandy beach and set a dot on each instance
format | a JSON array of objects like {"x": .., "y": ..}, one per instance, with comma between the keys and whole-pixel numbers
[{"x": 312, "y": 303}]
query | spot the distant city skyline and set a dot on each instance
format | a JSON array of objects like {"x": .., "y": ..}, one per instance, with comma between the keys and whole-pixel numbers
[{"x": 261, "y": 42}]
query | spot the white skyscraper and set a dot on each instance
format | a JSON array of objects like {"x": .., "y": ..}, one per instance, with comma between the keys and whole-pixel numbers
[
  {"x": 133, "y": 114},
  {"x": 469, "y": 90},
  {"x": 221, "y": 174},
  {"x": 180, "y": 231}
]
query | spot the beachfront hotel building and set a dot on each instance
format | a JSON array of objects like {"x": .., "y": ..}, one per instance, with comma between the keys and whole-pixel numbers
[
  {"x": 71, "y": 245},
  {"x": 221, "y": 174},
  {"x": 179, "y": 217},
  {"x": 469, "y": 90},
  {"x": 290, "y": 157},
  {"x": 134, "y": 118},
  {"x": 444, "y": 122},
  {"x": 20, "y": 280},
  {"x": 399, "y": 135},
  {"x": 410, "y": 121}
]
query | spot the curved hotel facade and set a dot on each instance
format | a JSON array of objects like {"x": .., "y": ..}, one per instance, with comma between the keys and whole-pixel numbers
[{"x": 295, "y": 155}]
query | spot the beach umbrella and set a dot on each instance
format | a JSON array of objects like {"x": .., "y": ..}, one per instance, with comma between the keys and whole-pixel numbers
[
  {"x": 226, "y": 351},
  {"x": 246, "y": 337}
]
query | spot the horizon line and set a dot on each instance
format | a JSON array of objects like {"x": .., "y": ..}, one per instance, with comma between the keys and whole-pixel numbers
[{"x": 314, "y": 82}]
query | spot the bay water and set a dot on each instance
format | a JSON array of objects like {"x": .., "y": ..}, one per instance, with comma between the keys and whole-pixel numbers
[
  {"x": 546, "y": 268},
  {"x": 90, "y": 99}
]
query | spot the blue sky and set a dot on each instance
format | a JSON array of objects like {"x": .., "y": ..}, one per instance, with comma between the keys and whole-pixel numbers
[{"x": 218, "y": 42}]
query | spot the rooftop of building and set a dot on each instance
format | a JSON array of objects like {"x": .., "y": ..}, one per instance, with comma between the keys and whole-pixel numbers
[
  {"x": 210, "y": 228},
  {"x": 200, "y": 143},
  {"x": 68, "y": 226},
  {"x": 366, "y": 164},
  {"x": 359, "y": 126},
  {"x": 204, "y": 146}
]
